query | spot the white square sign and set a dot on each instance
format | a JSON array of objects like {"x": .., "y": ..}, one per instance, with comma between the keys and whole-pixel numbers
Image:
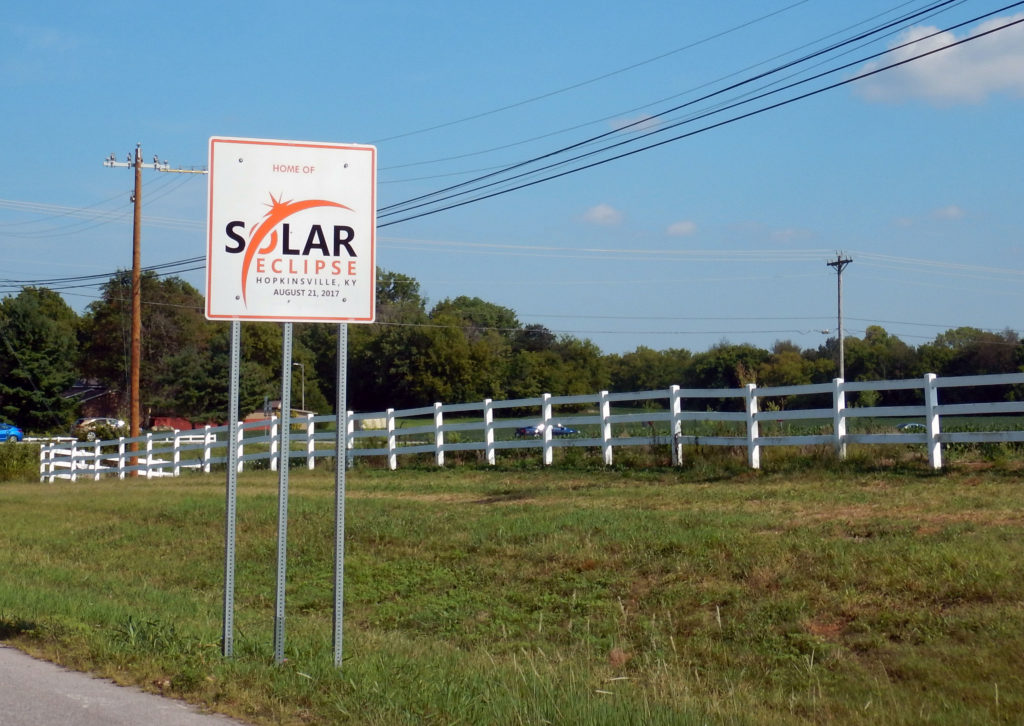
[{"x": 291, "y": 231}]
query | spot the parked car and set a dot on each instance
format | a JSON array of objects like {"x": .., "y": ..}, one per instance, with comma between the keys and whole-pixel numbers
[
  {"x": 912, "y": 427},
  {"x": 10, "y": 433},
  {"x": 538, "y": 430},
  {"x": 90, "y": 429}
]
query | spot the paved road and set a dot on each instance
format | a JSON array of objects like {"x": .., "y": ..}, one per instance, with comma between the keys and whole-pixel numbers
[{"x": 38, "y": 693}]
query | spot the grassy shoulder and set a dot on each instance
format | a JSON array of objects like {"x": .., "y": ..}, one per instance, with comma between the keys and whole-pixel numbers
[{"x": 787, "y": 596}]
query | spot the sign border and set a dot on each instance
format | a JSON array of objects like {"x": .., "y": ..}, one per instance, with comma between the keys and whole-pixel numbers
[{"x": 373, "y": 230}]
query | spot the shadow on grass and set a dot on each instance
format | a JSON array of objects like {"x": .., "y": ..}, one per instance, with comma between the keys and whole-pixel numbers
[{"x": 12, "y": 628}]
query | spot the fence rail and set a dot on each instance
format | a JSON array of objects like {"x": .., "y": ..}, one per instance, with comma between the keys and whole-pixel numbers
[{"x": 490, "y": 427}]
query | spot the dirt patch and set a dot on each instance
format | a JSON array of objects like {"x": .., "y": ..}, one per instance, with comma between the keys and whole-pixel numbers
[{"x": 826, "y": 629}]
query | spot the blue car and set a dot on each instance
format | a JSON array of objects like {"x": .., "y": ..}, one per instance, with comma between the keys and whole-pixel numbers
[
  {"x": 10, "y": 432},
  {"x": 538, "y": 430}
]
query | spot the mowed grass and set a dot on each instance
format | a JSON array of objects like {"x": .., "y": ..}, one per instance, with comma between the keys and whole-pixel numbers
[{"x": 795, "y": 595}]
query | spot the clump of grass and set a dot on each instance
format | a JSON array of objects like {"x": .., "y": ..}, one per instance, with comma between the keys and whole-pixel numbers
[{"x": 18, "y": 461}]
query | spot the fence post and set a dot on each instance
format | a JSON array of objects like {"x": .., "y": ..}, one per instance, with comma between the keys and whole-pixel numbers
[
  {"x": 177, "y": 452},
  {"x": 392, "y": 444},
  {"x": 489, "y": 431},
  {"x": 275, "y": 447},
  {"x": 545, "y": 415},
  {"x": 931, "y": 403},
  {"x": 676, "y": 406},
  {"x": 839, "y": 416},
  {"x": 310, "y": 448},
  {"x": 149, "y": 456},
  {"x": 206, "y": 448},
  {"x": 120, "y": 457},
  {"x": 753, "y": 450},
  {"x": 43, "y": 449},
  {"x": 350, "y": 427},
  {"x": 47, "y": 453},
  {"x": 240, "y": 446},
  {"x": 97, "y": 457},
  {"x": 438, "y": 434},
  {"x": 606, "y": 429}
]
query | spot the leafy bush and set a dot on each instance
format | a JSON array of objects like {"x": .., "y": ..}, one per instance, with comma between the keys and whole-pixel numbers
[{"x": 19, "y": 461}]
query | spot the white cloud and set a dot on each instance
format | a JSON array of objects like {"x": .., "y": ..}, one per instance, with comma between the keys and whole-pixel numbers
[
  {"x": 968, "y": 73},
  {"x": 950, "y": 212},
  {"x": 684, "y": 228},
  {"x": 603, "y": 214}
]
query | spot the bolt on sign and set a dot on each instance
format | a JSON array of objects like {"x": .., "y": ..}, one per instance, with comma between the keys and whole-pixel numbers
[{"x": 292, "y": 231}]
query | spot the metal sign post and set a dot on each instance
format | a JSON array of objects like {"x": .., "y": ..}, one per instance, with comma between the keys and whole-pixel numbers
[
  {"x": 228, "y": 630},
  {"x": 291, "y": 238},
  {"x": 340, "y": 464},
  {"x": 284, "y": 457}
]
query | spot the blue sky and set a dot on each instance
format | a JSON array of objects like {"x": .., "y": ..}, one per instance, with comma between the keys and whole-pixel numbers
[{"x": 915, "y": 173}]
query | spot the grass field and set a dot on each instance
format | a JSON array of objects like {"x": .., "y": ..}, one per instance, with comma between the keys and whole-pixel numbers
[{"x": 846, "y": 594}]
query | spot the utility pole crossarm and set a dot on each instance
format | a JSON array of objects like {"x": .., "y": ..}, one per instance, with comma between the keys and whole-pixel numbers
[
  {"x": 134, "y": 161},
  {"x": 840, "y": 263}
]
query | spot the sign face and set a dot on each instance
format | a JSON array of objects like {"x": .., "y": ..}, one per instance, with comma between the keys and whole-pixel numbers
[{"x": 291, "y": 231}]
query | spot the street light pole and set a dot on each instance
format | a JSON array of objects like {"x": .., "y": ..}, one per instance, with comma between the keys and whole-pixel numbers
[{"x": 303, "y": 367}]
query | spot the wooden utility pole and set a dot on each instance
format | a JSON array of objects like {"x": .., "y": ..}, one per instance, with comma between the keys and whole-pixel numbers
[
  {"x": 840, "y": 264},
  {"x": 135, "y": 409}
]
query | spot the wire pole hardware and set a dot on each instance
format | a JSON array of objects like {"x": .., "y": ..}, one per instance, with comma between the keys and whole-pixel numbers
[
  {"x": 840, "y": 263},
  {"x": 134, "y": 161}
]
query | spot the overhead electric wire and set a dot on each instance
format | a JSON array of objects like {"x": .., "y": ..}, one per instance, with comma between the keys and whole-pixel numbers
[
  {"x": 595, "y": 79},
  {"x": 388, "y": 210},
  {"x": 709, "y": 127},
  {"x": 927, "y": 13},
  {"x": 603, "y": 161}
]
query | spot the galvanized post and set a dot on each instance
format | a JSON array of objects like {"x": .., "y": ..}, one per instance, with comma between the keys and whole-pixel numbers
[
  {"x": 228, "y": 631},
  {"x": 282, "y": 491},
  {"x": 340, "y": 457}
]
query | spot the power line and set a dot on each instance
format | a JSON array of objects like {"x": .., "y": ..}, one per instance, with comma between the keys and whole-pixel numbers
[
  {"x": 595, "y": 79},
  {"x": 678, "y": 137},
  {"x": 927, "y": 13},
  {"x": 688, "y": 134},
  {"x": 402, "y": 207}
]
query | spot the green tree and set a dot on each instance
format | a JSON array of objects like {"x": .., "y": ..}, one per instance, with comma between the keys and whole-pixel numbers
[
  {"x": 39, "y": 333},
  {"x": 398, "y": 297},
  {"x": 490, "y": 331},
  {"x": 646, "y": 369},
  {"x": 969, "y": 351},
  {"x": 479, "y": 317},
  {"x": 173, "y": 328},
  {"x": 726, "y": 366},
  {"x": 878, "y": 356}
]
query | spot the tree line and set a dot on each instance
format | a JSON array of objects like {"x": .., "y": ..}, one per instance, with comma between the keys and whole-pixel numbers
[{"x": 460, "y": 349}]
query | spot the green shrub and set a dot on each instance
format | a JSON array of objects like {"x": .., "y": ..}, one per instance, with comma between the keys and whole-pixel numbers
[{"x": 19, "y": 461}]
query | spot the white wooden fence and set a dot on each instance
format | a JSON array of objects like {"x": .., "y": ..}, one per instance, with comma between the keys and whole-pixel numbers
[{"x": 663, "y": 419}]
